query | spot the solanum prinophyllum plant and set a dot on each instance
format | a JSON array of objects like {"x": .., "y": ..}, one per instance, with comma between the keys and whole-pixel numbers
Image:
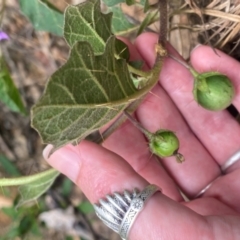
[{"x": 98, "y": 83}]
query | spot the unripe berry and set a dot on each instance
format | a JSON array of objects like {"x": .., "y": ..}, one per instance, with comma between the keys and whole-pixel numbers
[
  {"x": 213, "y": 91},
  {"x": 164, "y": 143}
]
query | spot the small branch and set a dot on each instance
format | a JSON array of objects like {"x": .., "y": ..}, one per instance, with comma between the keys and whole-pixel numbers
[
  {"x": 139, "y": 72},
  {"x": 26, "y": 179},
  {"x": 138, "y": 125},
  {"x": 162, "y": 37},
  {"x": 180, "y": 61},
  {"x": 192, "y": 70},
  {"x": 121, "y": 118},
  {"x": 163, "y": 9}
]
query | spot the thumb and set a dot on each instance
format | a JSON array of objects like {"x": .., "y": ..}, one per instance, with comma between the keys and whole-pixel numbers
[{"x": 98, "y": 172}]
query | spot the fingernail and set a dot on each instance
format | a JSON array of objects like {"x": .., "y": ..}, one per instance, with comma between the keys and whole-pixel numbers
[{"x": 65, "y": 160}]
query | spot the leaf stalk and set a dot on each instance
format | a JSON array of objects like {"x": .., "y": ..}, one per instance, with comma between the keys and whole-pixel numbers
[
  {"x": 26, "y": 179},
  {"x": 139, "y": 72}
]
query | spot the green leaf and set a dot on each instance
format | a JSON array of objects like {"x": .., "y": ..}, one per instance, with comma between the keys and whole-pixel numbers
[
  {"x": 121, "y": 50},
  {"x": 85, "y": 22},
  {"x": 146, "y": 5},
  {"x": 67, "y": 186},
  {"x": 11, "y": 212},
  {"x": 83, "y": 95},
  {"x": 8, "y": 166},
  {"x": 25, "y": 225},
  {"x": 42, "y": 16},
  {"x": 37, "y": 187},
  {"x": 89, "y": 90},
  {"x": 111, "y": 3},
  {"x": 130, "y": 2},
  {"x": 86, "y": 207},
  {"x": 9, "y": 94},
  {"x": 120, "y": 24},
  {"x": 150, "y": 18}
]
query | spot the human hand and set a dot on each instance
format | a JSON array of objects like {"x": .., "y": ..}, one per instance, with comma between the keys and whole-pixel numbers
[{"x": 207, "y": 140}]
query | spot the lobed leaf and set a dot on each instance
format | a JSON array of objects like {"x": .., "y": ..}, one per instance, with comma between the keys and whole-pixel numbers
[
  {"x": 85, "y": 22},
  {"x": 83, "y": 95},
  {"x": 42, "y": 16}
]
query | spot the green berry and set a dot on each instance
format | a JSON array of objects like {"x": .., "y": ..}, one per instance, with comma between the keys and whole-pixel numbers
[
  {"x": 164, "y": 143},
  {"x": 213, "y": 91}
]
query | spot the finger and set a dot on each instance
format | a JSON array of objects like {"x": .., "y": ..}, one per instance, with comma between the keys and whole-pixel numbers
[
  {"x": 99, "y": 172},
  {"x": 159, "y": 112},
  {"x": 227, "y": 189},
  {"x": 210, "y": 206},
  {"x": 209, "y": 127},
  {"x": 129, "y": 143}
]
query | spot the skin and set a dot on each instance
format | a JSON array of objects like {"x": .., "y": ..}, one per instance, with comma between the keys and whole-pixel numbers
[{"x": 207, "y": 140}]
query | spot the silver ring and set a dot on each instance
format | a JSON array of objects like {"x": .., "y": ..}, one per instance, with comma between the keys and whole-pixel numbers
[
  {"x": 119, "y": 211},
  {"x": 233, "y": 159},
  {"x": 206, "y": 188}
]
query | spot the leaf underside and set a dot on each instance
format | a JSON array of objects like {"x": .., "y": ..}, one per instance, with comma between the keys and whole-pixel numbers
[
  {"x": 85, "y": 22},
  {"x": 120, "y": 24},
  {"x": 94, "y": 85},
  {"x": 111, "y": 3},
  {"x": 83, "y": 95},
  {"x": 35, "y": 189}
]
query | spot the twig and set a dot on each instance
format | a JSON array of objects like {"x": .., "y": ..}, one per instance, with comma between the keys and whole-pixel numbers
[
  {"x": 138, "y": 125},
  {"x": 179, "y": 61},
  {"x": 162, "y": 37}
]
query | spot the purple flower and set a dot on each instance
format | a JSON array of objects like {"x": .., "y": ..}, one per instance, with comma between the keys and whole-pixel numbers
[{"x": 3, "y": 36}]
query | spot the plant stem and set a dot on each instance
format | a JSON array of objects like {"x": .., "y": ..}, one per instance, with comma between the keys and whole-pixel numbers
[
  {"x": 163, "y": 9},
  {"x": 138, "y": 125},
  {"x": 26, "y": 179},
  {"x": 191, "y": 69},
  {"x": 162, "y": 37},
  {"x": 121, "y": 118},
  {"x": 139, "y": 72},
  {"x": 180, "y": 61}
]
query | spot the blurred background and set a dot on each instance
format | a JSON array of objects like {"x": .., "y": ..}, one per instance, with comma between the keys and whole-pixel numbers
[{"x": 31, "y": 55}]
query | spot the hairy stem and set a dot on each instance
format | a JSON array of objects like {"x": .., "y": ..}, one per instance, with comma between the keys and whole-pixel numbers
[
  {"x": 139, "y": 72},
  {"x": 26, "y": 179},
  {"x": 192, "y": 70},
  {"x": 121, "y": 118},
  {"x": 163, "y": 9},
  {"x": 138, "y": 125}
]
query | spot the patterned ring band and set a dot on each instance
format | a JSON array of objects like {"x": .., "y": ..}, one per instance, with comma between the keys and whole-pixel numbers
[{"x": 119, "y": 211}]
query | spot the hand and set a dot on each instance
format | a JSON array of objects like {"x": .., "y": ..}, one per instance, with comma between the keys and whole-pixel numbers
[{"x": 207, "y": 140}]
